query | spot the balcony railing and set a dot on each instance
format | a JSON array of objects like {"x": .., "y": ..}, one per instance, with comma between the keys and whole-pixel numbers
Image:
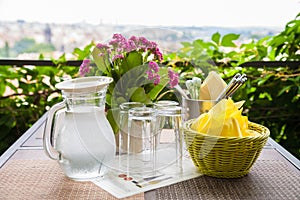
[
  {"x": 16, "y": 62},
  {"x": 77, "y": 63}
]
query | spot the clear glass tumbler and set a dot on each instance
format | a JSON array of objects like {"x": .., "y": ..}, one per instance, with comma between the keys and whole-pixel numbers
[
  {"x": 140, "y": 156},
  {"x": 169, "y": 137},
  {"x": 123, "y": 122}
]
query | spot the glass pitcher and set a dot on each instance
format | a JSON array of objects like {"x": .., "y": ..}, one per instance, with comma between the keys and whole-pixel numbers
[{"x": 77, "y": 133}]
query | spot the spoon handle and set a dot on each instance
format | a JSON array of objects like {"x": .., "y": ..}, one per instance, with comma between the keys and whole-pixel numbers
[{"x": 229, "y": 87}]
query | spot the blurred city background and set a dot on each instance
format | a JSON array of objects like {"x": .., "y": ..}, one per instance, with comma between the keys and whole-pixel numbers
[{"x": 29, "y": 28}]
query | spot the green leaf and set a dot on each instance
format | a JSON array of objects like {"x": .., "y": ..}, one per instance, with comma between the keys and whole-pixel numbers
[
  {"x": 77, "y": 52},
  {"x": 2, "y": 89},
  {"x": 198, "y": 44},
  {"x": 82, "y": 54},
  {"x": 114, "y": 75},
  {"x": 263, "y": 80},
  {"x": 102, "y": 62},
  {"x": 156, "y": 90},
  {"x": 123, "y": 68},
  {"x": 163, "y": 73},
  {"x": 262, "y": 51},
  {"x": 277, "y": 41},
  {"x": 227, "y": 40},
  {"x": 41, "y": 56},
  {"x": 111, "y": 113},
  {"x": 284, "y": 89},
  {"x": 139, "y": 95},
  {"x": 265, "y": 95},
  {"x": 62, "y": 59},
  {"x": 134, "y": 59},
  {"x": 216, "y": 37}
]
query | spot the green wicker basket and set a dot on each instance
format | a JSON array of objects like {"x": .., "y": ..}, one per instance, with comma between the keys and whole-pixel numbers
[{"x": 224, "y": 157}]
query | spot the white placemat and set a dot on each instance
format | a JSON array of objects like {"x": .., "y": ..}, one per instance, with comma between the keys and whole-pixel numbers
[{"x": 121, "y": 186}]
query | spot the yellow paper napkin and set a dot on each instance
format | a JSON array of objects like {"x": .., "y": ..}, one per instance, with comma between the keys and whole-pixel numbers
[
  {"x": 224, "y": 119},
  {"x": 212, "y": 86}
]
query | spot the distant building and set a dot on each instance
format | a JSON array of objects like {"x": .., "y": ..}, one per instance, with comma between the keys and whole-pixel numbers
[{"x": 48, "y": 34}]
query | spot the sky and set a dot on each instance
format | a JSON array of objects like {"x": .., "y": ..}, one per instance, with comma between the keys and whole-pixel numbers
[{"x": 225, "y": 13}]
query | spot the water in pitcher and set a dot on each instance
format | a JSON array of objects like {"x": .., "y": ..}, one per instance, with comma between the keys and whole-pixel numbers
[{"x": 85, "y": 142}]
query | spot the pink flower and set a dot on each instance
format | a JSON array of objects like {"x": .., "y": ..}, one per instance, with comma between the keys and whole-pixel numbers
[
  {"x": 152, "y": 45},
  {"x": 119, "y": 37},
  {"x": 156, "y": 79},
  {"x": 174, "y": 78},
  {"x": 131, "y": 46},
  {"x": 158, "y": 54},
  {"x": 153, "y": 66},
  {"x": 134, "y": 39},
  {"x": 150, "y": 75},
  {"x": 119, "y": 50},
  {"x": 84, "y": 67},
  {"x": 117, "y": 56},
  {"x": 118, "y": 41},
  {"x": 144, "y": 41},
  {"x": 102, "y": 46},
  {"x": 152, "y": 72}
]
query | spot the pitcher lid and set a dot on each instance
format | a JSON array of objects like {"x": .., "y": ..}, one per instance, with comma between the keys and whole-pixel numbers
[{"x": 84, "y": 84}]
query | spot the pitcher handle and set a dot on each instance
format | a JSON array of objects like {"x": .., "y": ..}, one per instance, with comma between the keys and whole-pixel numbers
[{"x": 49, "y": 131}]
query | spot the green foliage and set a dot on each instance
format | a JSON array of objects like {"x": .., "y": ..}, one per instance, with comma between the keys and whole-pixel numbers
[
  {"x": 41, "y": 48},
  {"x": 25, "y": 45},
  {"x": 25, "y": 95},
  {"x": 287, "y": 44},
  {"x": 205, "y": 56},
  {"x": 22, "y": 45},
  {"x": 271, "y": 93},
  {"x": 83, "y": 53}
]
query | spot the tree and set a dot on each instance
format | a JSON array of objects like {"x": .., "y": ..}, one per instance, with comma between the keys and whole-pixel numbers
[{"x": 24, "y": 44}]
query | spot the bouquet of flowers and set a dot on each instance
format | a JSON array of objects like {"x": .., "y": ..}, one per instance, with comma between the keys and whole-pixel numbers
[{"x": 135, "y": 64}]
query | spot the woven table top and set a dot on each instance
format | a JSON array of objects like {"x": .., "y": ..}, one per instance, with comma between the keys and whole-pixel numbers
[
  {"x": 43, "y": 179},
  {"x": 258, "y": 184}
]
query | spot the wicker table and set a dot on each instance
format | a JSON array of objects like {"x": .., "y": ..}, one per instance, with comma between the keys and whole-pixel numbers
[{"x": 26, "y": 173}]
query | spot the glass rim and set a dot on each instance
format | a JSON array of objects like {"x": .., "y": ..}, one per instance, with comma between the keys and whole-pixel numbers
[
  {"x": 163, "y": 103},
  {"x": 142, "y": 112},
  {"x": 170, "y": 110},
  {"x": 129, "y": 105}
]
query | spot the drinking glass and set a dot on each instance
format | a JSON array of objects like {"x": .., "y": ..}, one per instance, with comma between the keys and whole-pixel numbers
[
  {"x": 123, "y": 121},
  {"x": 169, "y": 137},
  {"x": 140, "y": 156}
]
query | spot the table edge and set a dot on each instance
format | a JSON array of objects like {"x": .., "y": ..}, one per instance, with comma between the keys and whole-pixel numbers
[
  {"x": 286, "y": 154},
  {"x": 17, "y": 145}
]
